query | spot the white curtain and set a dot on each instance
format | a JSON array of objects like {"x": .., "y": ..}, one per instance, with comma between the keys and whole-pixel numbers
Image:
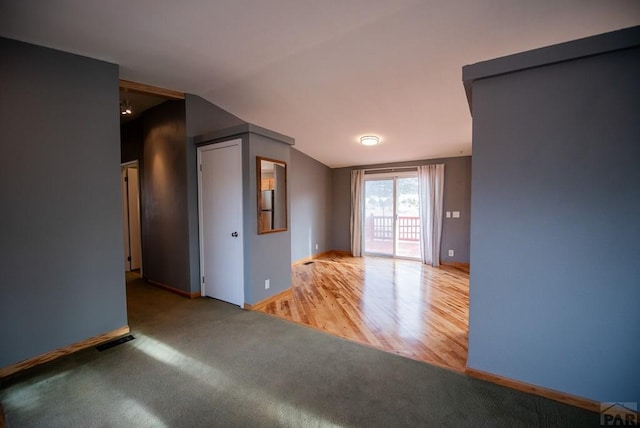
[
  {"x": 357, "y": 185},
  {"x": 431, "y": 187}
]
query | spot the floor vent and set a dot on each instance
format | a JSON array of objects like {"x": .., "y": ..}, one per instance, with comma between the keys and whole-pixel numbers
[
  {"x": 119, "y": 341},
  {"x": 307, "y": 263}
]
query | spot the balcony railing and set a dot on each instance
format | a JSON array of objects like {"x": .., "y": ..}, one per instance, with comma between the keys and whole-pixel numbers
[{"x": 381, "y": 228}]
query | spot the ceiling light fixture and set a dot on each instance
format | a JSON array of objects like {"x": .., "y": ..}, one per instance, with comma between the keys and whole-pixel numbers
[
  {"x": 125, "y": 108},
  {"x": 369, "y": 140}
]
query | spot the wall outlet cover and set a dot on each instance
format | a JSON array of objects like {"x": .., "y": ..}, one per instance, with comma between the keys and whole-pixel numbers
[{"x": 451, "y": 253}]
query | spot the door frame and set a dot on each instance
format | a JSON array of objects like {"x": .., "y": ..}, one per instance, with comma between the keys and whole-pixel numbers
[
  {"x": 200, "y": 149},
  {"x": 394, "y": 176},
  {"x": 125, "y": 200},
  {"x": 145, "y": 89}
]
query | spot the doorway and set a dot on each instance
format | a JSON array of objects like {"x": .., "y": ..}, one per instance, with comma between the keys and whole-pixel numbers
[
  {"x": 131, "y": 216},
  {"x": 392, "y": 215},
  {"x": 221, "y": 234}
]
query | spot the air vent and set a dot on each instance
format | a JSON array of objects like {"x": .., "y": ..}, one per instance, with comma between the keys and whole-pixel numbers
[{"x": 119, "y": 341}]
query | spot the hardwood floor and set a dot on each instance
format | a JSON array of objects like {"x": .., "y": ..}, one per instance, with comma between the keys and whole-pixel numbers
[{"x": 400, "y": 306}]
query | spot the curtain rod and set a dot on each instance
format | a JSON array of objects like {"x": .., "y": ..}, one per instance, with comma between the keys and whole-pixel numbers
[{"x": 383, "y": 170}]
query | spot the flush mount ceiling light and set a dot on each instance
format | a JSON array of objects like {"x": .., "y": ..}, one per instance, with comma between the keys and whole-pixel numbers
[
  {"x": 369, "y": 140},
  {"x": 125, "y": 108}
]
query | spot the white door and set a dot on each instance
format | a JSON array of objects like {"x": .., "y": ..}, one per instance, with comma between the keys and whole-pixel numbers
[
  {"x": 220, "y": 200},
  {"x": 125, "y": 219},
  {"x": 134, "y": 217},
  {"x": 131, "y": 217}
]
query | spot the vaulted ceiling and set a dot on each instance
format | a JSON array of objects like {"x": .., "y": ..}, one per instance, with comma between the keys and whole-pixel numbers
[{"x": 324, "y": 72}]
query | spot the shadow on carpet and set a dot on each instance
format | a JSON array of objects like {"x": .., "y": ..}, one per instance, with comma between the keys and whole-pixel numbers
[{"x": 203, "y": 362}]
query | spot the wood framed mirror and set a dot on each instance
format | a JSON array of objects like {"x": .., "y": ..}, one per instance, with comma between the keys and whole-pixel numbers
[{"x": 272, "y": 195}]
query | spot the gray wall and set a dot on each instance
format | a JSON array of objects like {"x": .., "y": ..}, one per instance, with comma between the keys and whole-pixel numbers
[
  {"x": 164, "y": 136},
  {"x": 457, "y": 197},
  {"x": 341, "y": 209},
  {"x": 202, "y": 117},
  {"x": 61, "y": 252},
  {"x": 311, "y": 203},
  {"x": 267, "y": 256},
  {"x": 164, "y": 217},
  {"x": 555, "y": 283}
]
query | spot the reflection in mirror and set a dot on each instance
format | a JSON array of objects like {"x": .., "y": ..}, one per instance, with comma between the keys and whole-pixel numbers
[{"x": 272, "y": 195}]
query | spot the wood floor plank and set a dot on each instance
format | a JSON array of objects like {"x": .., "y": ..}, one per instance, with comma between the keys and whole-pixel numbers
[{"x": 399, "y": 306}]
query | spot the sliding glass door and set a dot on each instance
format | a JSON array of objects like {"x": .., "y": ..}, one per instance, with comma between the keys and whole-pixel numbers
[
  {"x": 391, "y": 215},
  {"x": 379, "y": 214}
]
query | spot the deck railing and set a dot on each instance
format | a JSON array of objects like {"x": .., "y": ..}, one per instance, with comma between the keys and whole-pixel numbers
[{"x": 381, "y": 228}]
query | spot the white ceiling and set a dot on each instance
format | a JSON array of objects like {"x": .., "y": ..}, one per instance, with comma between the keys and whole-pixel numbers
[{"x": 324, "y": 72}]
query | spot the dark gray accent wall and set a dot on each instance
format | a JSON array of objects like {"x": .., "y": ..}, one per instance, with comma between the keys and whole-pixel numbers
[
  {"x": 61, "y": 251},
  {"x": 164, "y": 216},
  {"x": 311, "y": 206},
  {"x": 131, "y": 137},
  {"x": 457, "y": 197},
  {"x": 202, "y": 117},
  {"x": 555, "y": 283},
  {"x": 163, "y": 137}
]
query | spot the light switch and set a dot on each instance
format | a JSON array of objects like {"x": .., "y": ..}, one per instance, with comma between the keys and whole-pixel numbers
[
  {"x": 448, "y": 214},
  {"x": 456, "y": 214}
]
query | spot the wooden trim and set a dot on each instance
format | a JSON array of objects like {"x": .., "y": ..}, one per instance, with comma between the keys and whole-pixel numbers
[
  {"x": 141, "y": 88},
  {"x": 52, "y": 355},
  {"x": 259, "y": 160},
  {"x": 457, "y": 265},
  {"x": 182, "y": 293},
  {"x": 552, "y": 394},
  {"x": 340, "y": 253},
  {"x": 268, "y": 300},
  {"x": 312, "y": 257}
]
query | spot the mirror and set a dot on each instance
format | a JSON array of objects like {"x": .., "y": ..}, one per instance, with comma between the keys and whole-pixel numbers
[{"x": 272, "y": 195}]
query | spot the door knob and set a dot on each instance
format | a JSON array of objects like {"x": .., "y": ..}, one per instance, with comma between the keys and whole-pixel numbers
[{"x": 234, "y": 234}]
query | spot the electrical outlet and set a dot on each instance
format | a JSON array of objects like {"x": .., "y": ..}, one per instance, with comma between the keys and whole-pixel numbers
[
  {"x": 266, "y": 284},
  {"x": 316, "y": 246},
  {"x": 450, "y": 253}
]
